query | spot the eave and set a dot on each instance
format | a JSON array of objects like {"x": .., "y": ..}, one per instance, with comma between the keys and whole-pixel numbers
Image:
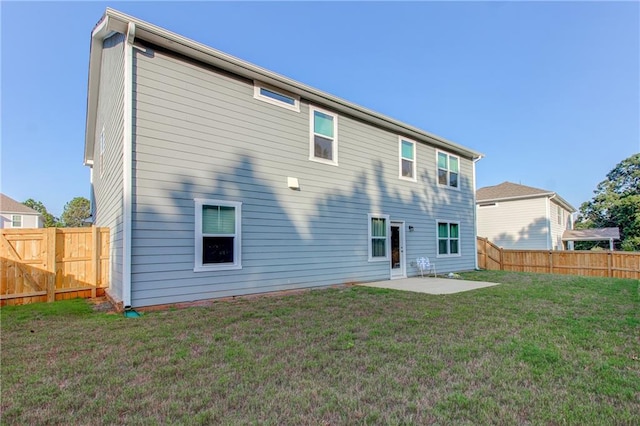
[{"x": 115, "y": 21}]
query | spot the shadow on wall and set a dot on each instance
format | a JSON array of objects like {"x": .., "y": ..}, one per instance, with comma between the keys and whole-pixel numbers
[
  {"x": 532, "y": 237},
  {"x": 290, "y": 239}
]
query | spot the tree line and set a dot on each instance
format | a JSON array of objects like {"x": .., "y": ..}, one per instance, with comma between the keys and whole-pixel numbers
[{"x": 74, "y": 214}]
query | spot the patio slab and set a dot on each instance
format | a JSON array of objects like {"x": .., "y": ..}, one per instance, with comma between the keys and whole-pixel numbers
[{"x": 430, "y": 285}]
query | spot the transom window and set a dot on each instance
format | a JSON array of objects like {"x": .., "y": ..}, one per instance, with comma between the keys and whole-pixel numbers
[
  {"x": 378, "y": 237},
  {"x": 448, "y": 238},
  {"x": 16, "y": 221},
  {"x": 448, "y": 169},
  {"x": 217, "y": 235},
  {"x": 407, "y": 159},
  {"x": 324, "y": 136},
  {"x": 276, "y": 96}
]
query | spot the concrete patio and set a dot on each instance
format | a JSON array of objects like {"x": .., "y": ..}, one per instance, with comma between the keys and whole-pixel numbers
[{"x": 430, "y": 285}]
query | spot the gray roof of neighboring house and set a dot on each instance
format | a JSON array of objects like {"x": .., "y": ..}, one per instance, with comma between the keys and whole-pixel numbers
[
  {"x": 514, "y": 191},
  {"x": 115, "y": 21},
  {"x": 596, "y": 234},
  {"x": 9, "y": 205}
]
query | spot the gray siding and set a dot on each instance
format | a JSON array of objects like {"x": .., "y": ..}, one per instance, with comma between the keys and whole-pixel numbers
[
  {"x": 517, "y": 224},
  {"x": 107, "y": 169},
  {"x": 201, "y": 134}
]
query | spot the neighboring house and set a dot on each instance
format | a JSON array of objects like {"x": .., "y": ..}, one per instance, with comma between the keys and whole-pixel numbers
[
  {"x": 221, "y": 178},
  {"x": 16, "y": 215},
  {"x": 521, "y": 217}
]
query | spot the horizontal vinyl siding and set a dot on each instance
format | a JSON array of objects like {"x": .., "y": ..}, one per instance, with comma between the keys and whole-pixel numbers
[
  {"x": 201, "y": 134},
  {"x": 517, "y": 224},
  {"x": 108, "y": 188},
  {"x": 557, "y": 229}
]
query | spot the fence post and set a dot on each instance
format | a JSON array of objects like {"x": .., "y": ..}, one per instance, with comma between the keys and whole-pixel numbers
[
  {"x": 609, "y": 264},
  {"x": 51, "y": 263},
  {"x": 550, "y": 261},
  {"x": 95, "y": 259},
  {"x": 501, "y": 259}
]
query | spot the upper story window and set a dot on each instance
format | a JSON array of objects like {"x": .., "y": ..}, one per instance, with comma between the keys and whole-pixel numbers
[
  {"x": 560, "y": 215},
  {"x": 217, "y": 235},
  {"x": 448, "y": 239},
  {"x": 102, "y": 148},
  {"x": 276, "y": 96},
  {"x": 324, "y": 136},
  {"x": 378, "y": 237},
  {"x": 16, "y": 221},
  {"x": 448, "y": 169},
  {"x": 407, "y": 150}
]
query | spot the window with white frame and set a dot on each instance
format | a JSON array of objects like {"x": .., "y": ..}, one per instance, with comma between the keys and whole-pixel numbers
[
  {"x": 276, "y": 96},
  {"x": 560, "y": 215},
  {"x": 324, "y": 136},
  {"x": 378, "y": 237},
  {"x": 217, "y": 235},
  {"x": 448, "y": 169},
  {"x": 448, "y": 238},
  {"x": 16, "y": 221},
  {"x": 407, "y": 150},
  {"x": 102, "y": 148}
]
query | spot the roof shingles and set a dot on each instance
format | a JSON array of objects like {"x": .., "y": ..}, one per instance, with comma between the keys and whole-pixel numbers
[{"x": 9, "y": 205}]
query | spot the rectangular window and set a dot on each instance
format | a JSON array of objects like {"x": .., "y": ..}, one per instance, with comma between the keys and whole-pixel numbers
[
  {"x": 378, "y": 237},
  {"x": 16, "y": 221},
  {"x": 448, "y": 239},
  {"x": 276, "y": 96},
  {"x": 407, "y": 150},
  {"x": 559, "y": 215},
  {"x": 217, "y": 235},
  {"x": 448, "y": 169},
  {"x": 102, "y": 148},
  {"x": 324, "y": 136}
]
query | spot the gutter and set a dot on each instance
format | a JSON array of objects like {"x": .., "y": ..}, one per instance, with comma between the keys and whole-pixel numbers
[{"x": 115, "y": 21}]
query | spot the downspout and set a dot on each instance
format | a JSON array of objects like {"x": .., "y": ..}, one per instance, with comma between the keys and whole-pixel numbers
[
  {"x": 127, "y": 160},
  {"x": 475, "y": 211}
]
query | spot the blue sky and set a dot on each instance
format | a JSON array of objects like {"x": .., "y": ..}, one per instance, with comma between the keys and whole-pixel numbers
[{"x": 549, "y": 92}]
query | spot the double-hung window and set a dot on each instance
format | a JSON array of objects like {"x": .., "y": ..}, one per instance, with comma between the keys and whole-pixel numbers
[
  {"x": 407, "y": 150},
  {"x": 324, "y": 136},
  {"x": 217, "y": 235},
  {"x": 378, "y": 237},
  {"x": 448, "y": 238},
  {"x": 16, "y": 221},
  {"x": 448, "y": 169}
]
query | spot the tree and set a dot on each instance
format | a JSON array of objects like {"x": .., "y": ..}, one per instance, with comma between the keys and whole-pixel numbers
[
  {"x": 617, "y": 204},
  {"x": 49, "y": 219},
  {"x": 76, "y": 212}
]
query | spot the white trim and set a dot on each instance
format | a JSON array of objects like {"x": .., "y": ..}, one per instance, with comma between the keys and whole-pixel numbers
[
  {"x": 475, "y": 211},
  {"x": 549, "y": 222},
  {"x": 198, "y": 236},
  {"x": 448, "y": 222},
  {"x": 13, "y": 216},
  {"x": 415, "y": 159},
  {"x": 127, "y": 165},
  {"x": 387, "y": 249},
  {"x": 334, "y": 145},
  {"x": 449, "y": 155},
  {"x": 102, "y": 141},
  {"x": 400, "y": 224},
  {"x": 257, "y": 94}
]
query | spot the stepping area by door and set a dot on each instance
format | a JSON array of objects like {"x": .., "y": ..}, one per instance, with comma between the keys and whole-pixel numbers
[{"x": 430, "y": 285}]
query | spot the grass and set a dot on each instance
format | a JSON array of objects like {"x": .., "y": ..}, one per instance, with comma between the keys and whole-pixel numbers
[{"x": 538, "y": 349}]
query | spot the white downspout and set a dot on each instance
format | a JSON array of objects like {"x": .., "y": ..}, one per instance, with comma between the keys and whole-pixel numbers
[
  {"x": 475, "y": 211},
  {"x": 127, "y": 160}
]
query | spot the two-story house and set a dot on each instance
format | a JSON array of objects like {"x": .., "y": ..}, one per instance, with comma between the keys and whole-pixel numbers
[
  {"x": 14, "y": 214},
  {"x": 516, "y": 216},
  {"x": 220, "y": 178}
]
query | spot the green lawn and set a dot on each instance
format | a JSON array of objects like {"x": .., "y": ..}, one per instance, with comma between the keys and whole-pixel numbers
[{"x": 539, "y": 349}]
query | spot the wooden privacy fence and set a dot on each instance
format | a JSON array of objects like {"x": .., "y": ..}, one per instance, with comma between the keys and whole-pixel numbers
[
  {"x": 617, "y": 264},
  {"x": 47, "y": 264}
]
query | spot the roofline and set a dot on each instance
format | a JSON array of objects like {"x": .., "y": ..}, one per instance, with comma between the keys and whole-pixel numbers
[
  {"x": 114, "y": 21},
  {"x": 35, "y": 213},
  {"x": 550, "y": 195}
]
